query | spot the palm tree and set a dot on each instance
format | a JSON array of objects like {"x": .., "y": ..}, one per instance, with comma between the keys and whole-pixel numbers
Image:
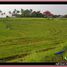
[{"x": 15, "y": 12}]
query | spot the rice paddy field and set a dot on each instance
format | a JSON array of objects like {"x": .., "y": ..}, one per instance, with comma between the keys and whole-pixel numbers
[{"x": 32, "y": 39}]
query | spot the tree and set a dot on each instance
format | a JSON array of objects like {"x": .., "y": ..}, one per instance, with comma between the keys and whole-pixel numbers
[
  {"x": 37, "y": 14},
  {"x": 47, "y": 14},
  {"x": 0, "y": 11},
  {"x": 33, "y": 14},
  {"x": 16, "y": 13},
  {"x": 10, "y": 12},
  {"x": 22, "y": 10},
  {"x": 65, "y": 16},
  {"x": 26, "y": 13}
]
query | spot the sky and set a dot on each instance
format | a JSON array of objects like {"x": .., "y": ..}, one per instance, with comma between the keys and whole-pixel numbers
[{"x": 60, "y": 9}]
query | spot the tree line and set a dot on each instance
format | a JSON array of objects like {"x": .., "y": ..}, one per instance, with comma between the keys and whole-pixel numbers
[{"x": 31, "y": 13}]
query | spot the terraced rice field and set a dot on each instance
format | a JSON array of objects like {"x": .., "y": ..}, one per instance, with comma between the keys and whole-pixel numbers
[{"x": 32, "y": 39}]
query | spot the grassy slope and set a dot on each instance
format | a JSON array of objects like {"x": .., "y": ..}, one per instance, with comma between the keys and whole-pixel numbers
[{"x": 30, "y": 35}]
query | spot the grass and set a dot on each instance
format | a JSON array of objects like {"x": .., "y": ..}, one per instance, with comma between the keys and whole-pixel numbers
[{"x": 32, "y": 39}]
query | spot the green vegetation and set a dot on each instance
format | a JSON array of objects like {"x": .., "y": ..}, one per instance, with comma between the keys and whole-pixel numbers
[{"x": 32, "y": 39}]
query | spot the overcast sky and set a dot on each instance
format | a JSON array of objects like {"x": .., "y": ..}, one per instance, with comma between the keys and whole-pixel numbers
[{"x": 55, "y": 9}]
